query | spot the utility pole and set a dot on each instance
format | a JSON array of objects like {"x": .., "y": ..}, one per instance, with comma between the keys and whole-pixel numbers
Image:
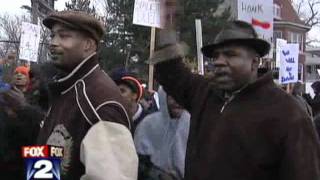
[
  {"x": 34, "y": 11},
  {"x": 39, "y": 10},
  {"x": 166, "y": 36}
]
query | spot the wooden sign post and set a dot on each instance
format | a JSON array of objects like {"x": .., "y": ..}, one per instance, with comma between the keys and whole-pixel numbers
[{"x": 151, "y": 67}]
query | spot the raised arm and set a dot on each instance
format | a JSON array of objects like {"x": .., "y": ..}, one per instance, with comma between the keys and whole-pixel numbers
[{"x": 175, "y": 77}]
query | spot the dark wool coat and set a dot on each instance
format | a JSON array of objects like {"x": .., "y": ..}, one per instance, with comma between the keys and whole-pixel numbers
[
  {"x": 260, "y": 133},
  {"x": 81, "y": 100}
]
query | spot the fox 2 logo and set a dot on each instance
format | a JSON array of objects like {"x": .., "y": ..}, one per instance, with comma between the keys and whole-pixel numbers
[{"x": 44, "y": 168}]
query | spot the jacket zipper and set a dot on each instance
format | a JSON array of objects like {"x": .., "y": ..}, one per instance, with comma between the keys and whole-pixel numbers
[
  {"x": 234, "y": 94},
  {"x": 228, "y": 101},
  {"x": 46, "y": 117}
]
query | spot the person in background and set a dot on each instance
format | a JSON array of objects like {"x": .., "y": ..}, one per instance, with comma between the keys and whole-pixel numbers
[
  {"x": 21, "y": 78},
  {"x": 315, "y": 104},
  {"x": 19, "y": 124},
  {"x": 315, "y": 101},
  {"x": 297, "y": 92},
  {"x": 131, "y": 89},
  {"x": 161, "y": 141}
]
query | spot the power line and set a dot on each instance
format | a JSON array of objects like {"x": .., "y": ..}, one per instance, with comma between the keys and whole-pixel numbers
[
  {"x": 15, "y": 42},
  {"x": 8, "y": 41}
]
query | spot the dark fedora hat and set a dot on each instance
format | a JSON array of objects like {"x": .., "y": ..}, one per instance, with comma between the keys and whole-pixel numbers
[
  {"x": 238, "y": 32},
  {"x": 76, "y": 20}
]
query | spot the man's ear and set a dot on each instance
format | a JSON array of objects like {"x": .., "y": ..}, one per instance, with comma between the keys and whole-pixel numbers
[
  {"x": 255, "y": 63},
  {"x": 134, "y": 96},
  {"x": 90, "y": 45}
]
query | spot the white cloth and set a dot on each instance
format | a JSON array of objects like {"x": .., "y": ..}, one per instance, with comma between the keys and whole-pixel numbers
[{"x": 108, "y": 153}]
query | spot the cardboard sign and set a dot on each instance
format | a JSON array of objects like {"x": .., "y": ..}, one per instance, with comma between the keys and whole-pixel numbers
[
  {"x": 288, "y": 72},
  {"x": 279, "y": 45},
  {"x": 148, "y": 13},
  {"x": 29, "y": 42},
  {"x": 259, "y": 13}
]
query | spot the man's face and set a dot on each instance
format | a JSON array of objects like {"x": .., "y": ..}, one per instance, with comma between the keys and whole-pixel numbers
[
  {"x": 234, "y": 67},
  {"x": 175, "y": 110},
  {"x": 127, "y": 93},
  {"x": 66, "y": 47},
  {"x": 20, "y": 79}
]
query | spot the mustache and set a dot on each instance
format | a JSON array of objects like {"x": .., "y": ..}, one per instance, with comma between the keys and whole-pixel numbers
[
  {"x": 220, "y": 72},
  {"x": 54, "y": 50},
  {"x": 54, "y": 53}
]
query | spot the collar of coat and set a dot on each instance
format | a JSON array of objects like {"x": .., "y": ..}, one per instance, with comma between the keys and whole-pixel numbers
[
  {"x": 84, "y": 69},
  {"x": 261, "y": 82}
]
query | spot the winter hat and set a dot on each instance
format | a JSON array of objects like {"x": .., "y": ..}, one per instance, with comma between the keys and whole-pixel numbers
[
  {"x": 23, "y": 70},
  {"x": 122, "y": 76}
]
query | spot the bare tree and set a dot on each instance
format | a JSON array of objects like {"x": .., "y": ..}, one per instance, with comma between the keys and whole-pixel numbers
[
  {"x": 309, "y": 11},
  {"x": 81, "y": 5},
  {"x": 10, "y": 26}
]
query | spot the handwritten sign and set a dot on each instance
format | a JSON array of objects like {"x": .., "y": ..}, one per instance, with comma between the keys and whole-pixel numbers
[
  {"x": 279, "y": 45},
  {"x": 288, "y": 72},
  {"x": 148, "y": 13},
  {"x": 259, "y": 13},
  {"x": 29, "y": 42}
]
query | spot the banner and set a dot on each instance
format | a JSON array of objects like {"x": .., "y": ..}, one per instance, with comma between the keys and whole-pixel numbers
[
  {"x": 288, "y": 72},
  {"x": 29, "y": 42},
  {"x": 148, "y": 13},
  {"x": 259, "y": 13}
]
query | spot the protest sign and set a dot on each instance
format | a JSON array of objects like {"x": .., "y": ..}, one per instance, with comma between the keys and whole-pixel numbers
[
  {"x": 288, "y": 72},
  {"x": 259, "y": 13},
  {"x": 29, "y": 42},
  {"x": 148, "y": 13}
]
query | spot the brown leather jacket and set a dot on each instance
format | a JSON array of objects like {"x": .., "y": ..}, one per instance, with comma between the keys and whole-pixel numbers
[{"x": 85, "y": 102}]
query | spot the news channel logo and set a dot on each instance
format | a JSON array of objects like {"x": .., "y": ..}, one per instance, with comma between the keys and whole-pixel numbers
[{"x": 42, "y": 162}]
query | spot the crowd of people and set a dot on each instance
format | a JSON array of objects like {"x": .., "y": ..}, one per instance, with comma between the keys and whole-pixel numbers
[{"x": 234, "y": 123}]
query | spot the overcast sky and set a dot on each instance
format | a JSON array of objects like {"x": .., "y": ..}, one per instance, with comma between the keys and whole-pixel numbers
[{"x": 12, "y": 7}]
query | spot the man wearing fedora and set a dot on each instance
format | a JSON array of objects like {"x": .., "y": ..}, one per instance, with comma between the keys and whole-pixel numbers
[
  {"x": 87, "y": 117},
  {"x": 242, "y": 126}
]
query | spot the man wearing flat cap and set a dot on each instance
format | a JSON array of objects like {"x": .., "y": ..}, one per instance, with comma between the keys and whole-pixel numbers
[
  {"x": 87, "y": 117},
  {"x": 242, "y": 126}
]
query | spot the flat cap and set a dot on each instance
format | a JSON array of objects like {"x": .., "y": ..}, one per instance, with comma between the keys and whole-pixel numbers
[{"x": 77, "y": 20}]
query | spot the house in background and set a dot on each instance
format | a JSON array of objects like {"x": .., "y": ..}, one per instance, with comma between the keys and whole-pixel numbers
[
  {"x": 312, "y": 64},
  {"x": 289, "y": 26}
]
